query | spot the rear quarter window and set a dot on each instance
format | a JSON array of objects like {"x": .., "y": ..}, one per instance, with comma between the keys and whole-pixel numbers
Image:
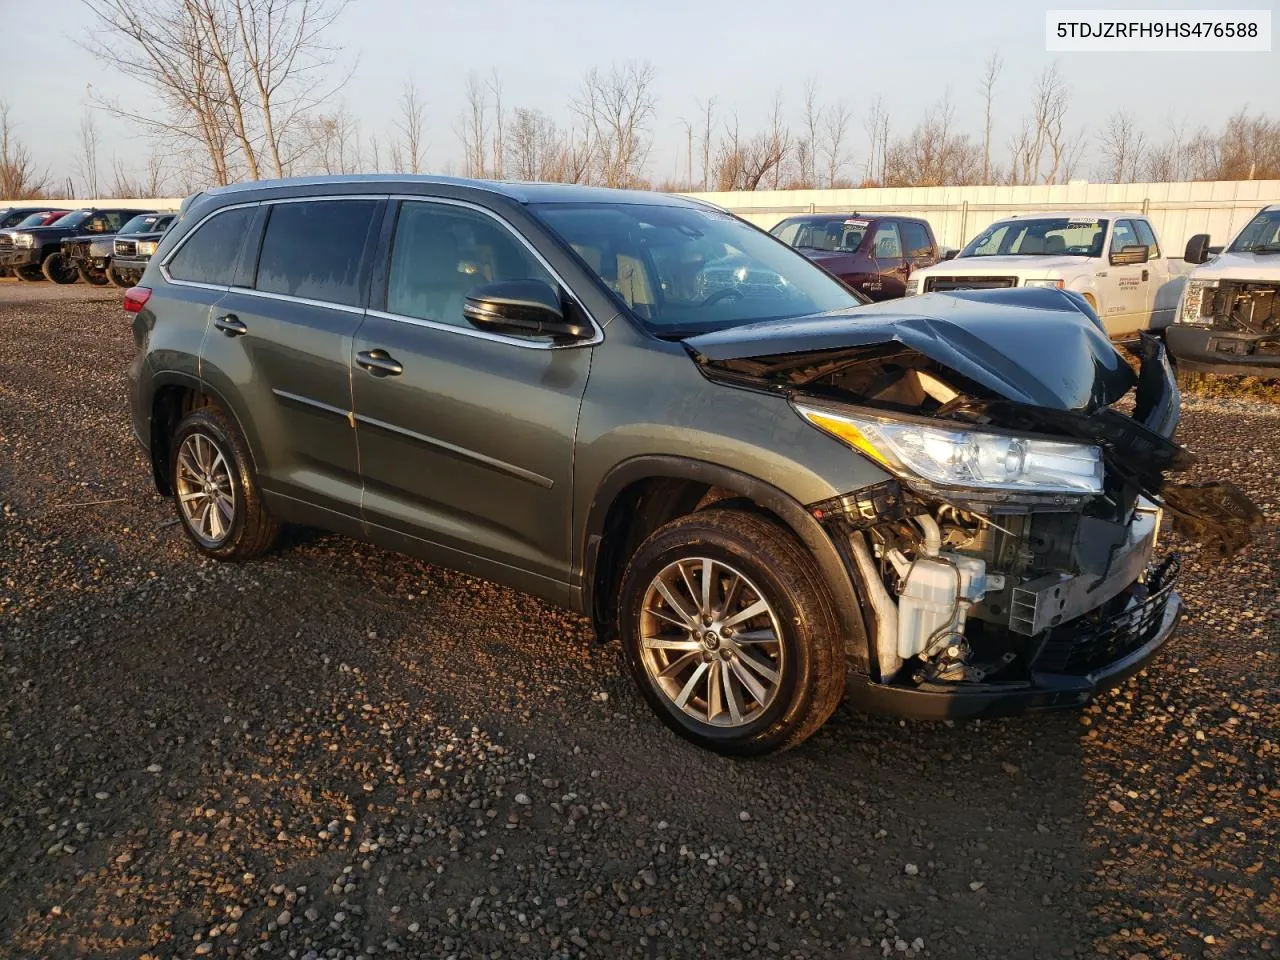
[
  {"x": 210, "y": 253},
  {"x": 314, "y": 249}
]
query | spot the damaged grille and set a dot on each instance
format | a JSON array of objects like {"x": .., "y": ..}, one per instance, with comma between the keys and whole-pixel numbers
[
  {"x": 946, "y": 284},
  {"x": 1097, "y": 640},
  {"x": 1247, "y": 307}
]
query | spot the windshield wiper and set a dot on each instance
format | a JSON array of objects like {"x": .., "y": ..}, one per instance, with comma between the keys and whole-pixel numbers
[{"x": 1266, "y": 248}]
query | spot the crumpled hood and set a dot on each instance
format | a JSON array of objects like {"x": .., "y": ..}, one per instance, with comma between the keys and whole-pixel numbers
[
  {"x": 1264, "y": 267},
  {"x": 1039, "y": 347},
  {"x": 993, "y": 266}
]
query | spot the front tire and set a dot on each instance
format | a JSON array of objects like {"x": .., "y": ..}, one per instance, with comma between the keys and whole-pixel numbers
[
  {"x": 215, "y": 489},
  {"x": 29, "y": 274},
  {"x": 730, "y": 633},
  {"x": 59, "y": 269},
  {"x": 116, "y": 278},
  {"x": 96, "y": 277}
]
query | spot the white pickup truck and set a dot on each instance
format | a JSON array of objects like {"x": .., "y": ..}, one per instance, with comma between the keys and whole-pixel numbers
[
  {"x": 1113, "y": 259},
  {"x": 1229, "y": 319}
]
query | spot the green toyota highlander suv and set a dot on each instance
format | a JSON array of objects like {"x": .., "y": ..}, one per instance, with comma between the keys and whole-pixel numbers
[{"x": 770, "y": 493}]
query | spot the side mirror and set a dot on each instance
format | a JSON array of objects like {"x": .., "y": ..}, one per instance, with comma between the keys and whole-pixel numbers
[
  {"x": 1136, "y": 253},
  {"x": 521, "y": 308},
  {"x": 1197, "y": 249},
  {"x": 950, "y": 254}
]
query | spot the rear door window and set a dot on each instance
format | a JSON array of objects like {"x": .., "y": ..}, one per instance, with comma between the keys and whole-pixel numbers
[
  {"x": 916, "y": 239},
  {"x": 210, "y": 253},
  {"x": 314, "y": 249}
]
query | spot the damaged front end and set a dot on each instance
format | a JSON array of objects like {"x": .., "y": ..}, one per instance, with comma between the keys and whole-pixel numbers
[{"x": 1010, "y": 561}]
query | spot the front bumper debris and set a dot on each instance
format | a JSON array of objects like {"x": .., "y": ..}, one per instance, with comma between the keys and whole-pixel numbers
[
  {"x": 1232, "y": 353},
  {"x": 1075, "y": 662}
]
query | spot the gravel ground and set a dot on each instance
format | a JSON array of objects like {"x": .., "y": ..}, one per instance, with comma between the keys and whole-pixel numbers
[{"x": 340, "y": 752}]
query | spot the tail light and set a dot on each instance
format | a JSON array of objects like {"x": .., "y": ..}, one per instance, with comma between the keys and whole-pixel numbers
[{"x": 135, "y": 298}]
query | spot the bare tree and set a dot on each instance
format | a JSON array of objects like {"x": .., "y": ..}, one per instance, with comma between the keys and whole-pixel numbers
[
  {"x": 707, "y": 112},
  {"x": 835, "y": 130},
  {"x": 87, "y": 158},
  {"x": 777, "y": 143},
  {"x": 991, "y": 73},
  {"x": 1042, "y": 146},
  {"x": 934, "y": 154},
  {"x": 807, "y": 148},
  {"x": 616, "y": 108},
  {"x": 131, "y": 184},
  {"x": 19, "y": 178},
  {"x": 333, "y": 140},
  {"x": 1121, "y": 145},
  {"x": 235, "y": 77},
  {"x": 283, "y": 51},
  {"x": 876, "y": 125},
  {"x": 473, "y": 129},
  {"x": 409, "y": 148},
  {"x": 499, "y": 121}
]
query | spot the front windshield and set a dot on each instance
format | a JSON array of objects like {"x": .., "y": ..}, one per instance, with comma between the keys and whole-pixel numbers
[
  {"x": 690, "y": 270},
  {"x": 33, "y": 220},
  {"x": 1046, "y": 236},
  {"x": 1262, "y": 235},
  {"x": 834, "y": 234},
  {"x": 72, "y": 219},
  {"x": 143, "y": 223}
]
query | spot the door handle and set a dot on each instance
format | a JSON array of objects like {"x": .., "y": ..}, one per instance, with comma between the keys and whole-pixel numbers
[
  {"x": 379, "y": 363},
  {"x": 1144, "y": 275},
  {"x": 231, "y": 325}
]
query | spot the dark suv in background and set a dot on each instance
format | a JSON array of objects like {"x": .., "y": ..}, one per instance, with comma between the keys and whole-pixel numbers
[
  {"x": 647, "y": 410},
  {"x": 874, "y": 255}
]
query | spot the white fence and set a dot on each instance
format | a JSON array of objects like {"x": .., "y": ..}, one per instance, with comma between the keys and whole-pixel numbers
[{"x": 957, "y": 214}]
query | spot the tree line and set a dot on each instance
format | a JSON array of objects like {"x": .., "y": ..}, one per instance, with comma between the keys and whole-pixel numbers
[{"x": 247, "y": 89}]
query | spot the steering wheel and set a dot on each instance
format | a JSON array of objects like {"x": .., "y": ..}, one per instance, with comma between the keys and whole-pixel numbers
[{"x": 720, "y": 295}]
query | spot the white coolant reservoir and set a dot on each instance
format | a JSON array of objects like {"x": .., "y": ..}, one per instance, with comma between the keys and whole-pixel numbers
[{"x": 928, "y": 612}]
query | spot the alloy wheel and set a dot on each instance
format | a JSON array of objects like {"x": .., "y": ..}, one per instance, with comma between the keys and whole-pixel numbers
[
  {"x": 206, "y": 492},
  {"x": 711, "y": 643}
]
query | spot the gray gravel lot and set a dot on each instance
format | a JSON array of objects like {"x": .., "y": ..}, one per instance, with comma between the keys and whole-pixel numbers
[{"x": 340, "y": 752}]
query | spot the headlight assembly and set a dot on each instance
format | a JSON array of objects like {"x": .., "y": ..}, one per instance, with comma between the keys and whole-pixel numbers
[
  {"x": 1199, "y": 295},
  {"x": 958, "y": 457},
  {"x": 24, "y": 240},
  {"x": 147, "y": 247},
  {"x": 1043, "y": 283}
]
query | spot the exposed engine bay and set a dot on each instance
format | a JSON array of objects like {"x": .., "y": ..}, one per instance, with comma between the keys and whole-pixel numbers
[
  {"x": 1244, "y": 307},
  {"x": 976, "y": 586}
]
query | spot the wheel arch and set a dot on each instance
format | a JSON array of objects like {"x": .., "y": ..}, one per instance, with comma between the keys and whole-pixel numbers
[
  {"x": 174, "y": 395},
  {"x": 641, "y": 494}
]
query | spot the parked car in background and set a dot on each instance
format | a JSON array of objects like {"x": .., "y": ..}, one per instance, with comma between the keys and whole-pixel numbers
[
  {"x": 18, "y": 217},
  {"x": 90, "y": 254},
  {"x": 133, "y": 246},
  {"x": 1229, "y": 319},
  {"x": 37, "y": 251},
  {"x": 769, "y": 492},
  {"x": 1113, "y": 259},
  {"x": 873, "y": 254}
]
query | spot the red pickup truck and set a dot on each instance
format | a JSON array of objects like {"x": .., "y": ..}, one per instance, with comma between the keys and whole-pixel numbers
[{"x": 875, "y": 255}]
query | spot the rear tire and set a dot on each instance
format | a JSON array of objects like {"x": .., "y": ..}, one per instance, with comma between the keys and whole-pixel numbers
[
  {"x": 735, "y": 684},
  {"x": 96, "y": 277},
  {"x": 215, "y": 489},
  {"x": 58, "y": 269}
]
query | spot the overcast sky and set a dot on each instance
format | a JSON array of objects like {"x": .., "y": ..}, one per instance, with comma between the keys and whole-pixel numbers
[{"x": 741, "y": 52}]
